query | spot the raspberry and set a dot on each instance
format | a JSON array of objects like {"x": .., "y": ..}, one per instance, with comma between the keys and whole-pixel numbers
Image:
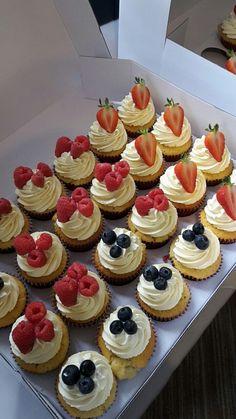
[
  {"x": 23, "y": 336},
  {"x": 143, "y": 204},
  {"x": 5, "y": 206},
  {"x": 24, "y": 243},
  {"x": 85, "y": 207},
  {"x": 35, "y": 312},
  {"x": 38, "y": 179},
  {"x": 79, "y": 193},
  {"x": 122, "y": 167},
  {"x": 101, "y": 170},
  {"x": 77, "y": 270},
  {"x": 67, "y": 290},
  {"x": 63, "y": 144},
  {"x": 65, "y": 208},
  {"x": 155, "y": 192},
  {"x": 76, "y": 150},
  {"x": 45, "y": 169},
  {"x": 161, "y": 203},
  {"x": 44, "y": 330},
  {"x": 113, "y": 181},
  {"x": 44, "y": 242},
  {"x": 88, "y": 286},
  {"x": 36, "y": 258},
  {"x": 83, "y": 141},
  {"x": 21, "y": 176}
]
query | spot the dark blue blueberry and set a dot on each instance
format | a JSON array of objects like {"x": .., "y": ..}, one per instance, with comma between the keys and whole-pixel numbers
[
  {"x": 165, "y": 272},
  {"x": 115, "y": 251},
  {"x": 86, "y": 385},
  {"x": 188, "y": 235},
  {"x": 130, "y": 327},
  {"x": 125, "y": 313},
  {"x": 70, "y": 375},
  {"x": 123, "y": 241},
  {"x": 198, "y": 228},
  {"x": 1, "y": 283},
  {"x": 150, "y": 273},
  {"x": 87, "y": 368},
  {"x": 160, "y": 283},
  {"x": 116, "y": 327},
  {"x": 201, "y": 241},
  {"x": 109, "y": 237}
]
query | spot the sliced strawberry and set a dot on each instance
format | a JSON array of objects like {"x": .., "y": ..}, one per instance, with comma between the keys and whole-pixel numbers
[
  {"x": 186, "y": 172},
  {"x": 63, "y": 145},
  {"x": 77, "y": 270},
  {"x": 143, "y": 204},
  {"x": 67, "y": 290},
  {"x": 83, "y": 141},
  {"x": 21, "y": 176},
  {"x": 122, "y": 167},
  {"x": 140, "y": 93},
  {"x": 36, "y": 258},
  {"x": 174, "y": 117},
  {"x": 76, "y": 150},
  {"x": 113, "y": 181},
  {"x": 85, "y": 207},
  {"x": 215, "y": 142},
  {"x": 35, "y": 312},
  {"x": 226, "y": 196},
  {"x": 101, "y": 170},
  {"x": 45, "y": 169},
  {"x": 23, "y": 336},
  {"x": 24, "y": 243},
  {"x": 107, "y": 116},
  {"x": 161, "y": 203},
  {"x": 88, "y": 286},
  {"x": 44, "y": 242},
  {"x": 44, "y": 330},
  {"x": 79, "y": 193},
  {"x": 65, "y": 209},
  {"x": 230, "y": 64},
  {"x": 5, "y": 206},
  {"x": 154, "y": 192},
  {"x": 38, "y": 179},
  {"x": 146, "y": 146}
]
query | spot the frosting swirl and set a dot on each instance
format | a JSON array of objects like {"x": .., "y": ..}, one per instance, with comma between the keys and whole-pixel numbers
[
  {"x": 156, "y": 223},
  {"x": 229, "y": 26},
  {"x": 216, "y": 215},
  {"x": 11, "y": 224},
  {"x": 102, "y": 140},
  {"x": 137, "y": 164},
  {"x": 166, "y": 137},
  {"x": 121, "y": 196},
  {"x": 131, "y": 115},
  {"x": 75, "y": 169},
  {"x": 8, "y": 294},
  {"x": 204, "y": 159}
]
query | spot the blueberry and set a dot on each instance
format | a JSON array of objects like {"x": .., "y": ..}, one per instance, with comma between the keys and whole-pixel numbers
[
  {"x": 125, "y": 313},
  {"x": 109, "y": 237},
  {"x": 115, "y": 251},
  {"x": 116, "y": 327},
  {"x": 87, "y": 368},
  {"x": 160, "y": 283},
  {"x": 130, "y": 327},
  {"x": 150, "y": 273},
  {"x": 188, "y": 235},
  {"x": 123, "y": 241},
  {"x": 70, "y": 375},
  {"x": 165, "y": 272},
  {"x": 201, "y": 241},
  {"x": 86, "y": 385},
  {"x": 198, "y": 228},
  {"x": 1, "y": 283}
]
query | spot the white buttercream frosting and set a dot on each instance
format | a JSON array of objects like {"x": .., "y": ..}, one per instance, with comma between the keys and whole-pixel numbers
[
  {"x": 105, "y": 141},
  {"x": 75, "y": 169},
  {"x": 229, "y": 26},
  {"x": 216, "y": 215},
  {"x": 233, "y": 177},
  {"x": 155, "y": 223},
  {"x": 137, "y": 164},
  {"x": 11, "y": 224},
  {"x": 121, "y": 196},
  {"x": 204, "y": 159},
  {"x": 165, "y": 135},
  {"x": 8, "y": 294},
  {"x": 131, "y": 115}
]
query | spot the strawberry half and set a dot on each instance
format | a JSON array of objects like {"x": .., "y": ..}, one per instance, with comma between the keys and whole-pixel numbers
[
  {"x": 186, "y": 172},
  {"x": 215, "y": 142},
  {"x": 146, "y": 146},
  {"x": 174, "y": 117},
  {"x": 230, "y": 64},
  {"x": 140, "y": 93},
  {"x": 107, "y": 116},
  {"x": 226, "y": 196}
]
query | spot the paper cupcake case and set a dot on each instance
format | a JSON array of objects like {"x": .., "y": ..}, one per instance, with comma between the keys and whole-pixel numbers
[
  {"x": 70, "y": 186},
  {"x": 184, "y": 212},
  {"x": 111, "y": 157}
]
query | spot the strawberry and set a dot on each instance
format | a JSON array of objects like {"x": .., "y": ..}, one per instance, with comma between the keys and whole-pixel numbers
[
  {"x": 23, "y": 336},
  {"x": 226, "y": 196},
  {"x": 38, "y": 179},
  {"x": 101, "y": 170},
  {"x": 65, "y": 208},
  {"x": 143, "y": 204},
  {"x": 113, "y": 181},
  {"x": 122, "y": 167},
  {"x": 174, "y": 117},
  {"x": 83, "y": 141},
  {"x": 215, "y": 142},
  {"x": 35, "y": 312},
  {"x": 24, "y": 243},
  {"x": 36, "y": 258},
  {"x": 44, "y": 330},
  {"x": 5, "y": 206},
  {"x": 161, "y": 203},
  {"x": 63, "y": 145},
  {"x": 44, "y": 242},
  {"x": 77, "y": 270},
  {"x": 186, "y": 172},
  {"x": 88, "y": 286},
  {"x": 79, "y": 193},
  {"x": 230, "y": 64},
  {"x": 76, "y": 150},
  {"x": 146, "y": 146},
  {"x": 67, "y": 290},
  {"x": 85, "y": 207},
  {"x": 107, "y": 116},
  {"x": 21, "y": 176},
  {"x": 140, "y": 93},
  {"x": 45, "y": 169},
  {"x": 154, "y": 192}
]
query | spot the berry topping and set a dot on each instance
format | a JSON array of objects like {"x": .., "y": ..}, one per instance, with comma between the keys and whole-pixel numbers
[
  {"x": 230, "y": 64},
  {"x": 44, "y": 242},
  {"x": 83, "y": 141},
  {"x": 21, "y": 176},
  {"x": 198, "y": 228},
  {"x": 107, "y": 116},
  {"x": 188, "y": 235},
  {"x": 70, "y": 375},
  {"x": 88, "y": 286},
  {"x": 115, "y": 251},
  {"x": 45, "y": 169},
  {"x": 160, "y": 283},
  {"x": 35, "y": 312},
  {"x": 79, "y": 193},
  {"x": 186, "y": 172},
  {"x": 63, "y": 145},
  {"x": 130, "y": 327},
  {"x": 76, "y": 150},
  {"x": 150, "y": 273},
  {"x": 161, "y": 203},
  {"x": 38, "y": 179},
  {"x": 143, "y": 204},
  {"x": 67, "y": 290},
  {"x": 140, "y": 93},
  {"x": 5, "y": 206},
  {"x": 85, "y": 207},
  {"x": 215, "y": 142},
  {"x": 109, "y": 237},
  {"x": 122, "y": 167},
  {"x": 36, "y": 258},
  {"x": 124, "y": 313},
  {"x": 101, "y": 170},
  {"x": 154, "y": 192},
  {"x": 201, "y": 241},
  {"x": 24, "y": 243},
  {"x": 123, "y": 240},
  {"x": 146, "y": 146},
  {"x": 23, "y": 336},
  {"x": 77, "y": 270},
  {"x": 165, "y": 272},
  {"x": 65, "y": 209},
  {"x": 44, "y": 330},
  {"x": 174, "y": 117},
  {"x": 165, "y": 258},
  {"x": 1, "y": 283},
  {"x": 86, "y": 385},
  {"x": 226, "y": 196},
  {"x": 112, "y": 181},
  {"x": 87, "y": 368},
  {"x": 116, "y": 327}
]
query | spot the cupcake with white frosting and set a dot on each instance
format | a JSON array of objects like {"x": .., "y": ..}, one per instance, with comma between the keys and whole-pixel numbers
[
  {"x": 12, "y": 299},
  {"x": 227, "y": 30}
]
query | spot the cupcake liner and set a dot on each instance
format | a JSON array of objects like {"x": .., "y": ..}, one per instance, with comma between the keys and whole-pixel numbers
[
  {"x": 172, "y": 158},
  {"x": 192, "y": 278},
  {"x": 225, "y": 40},
  {"x": 112, "y": 215},
  {"x": 184, "y": 212},
  {"x": 47, "y": 215}
]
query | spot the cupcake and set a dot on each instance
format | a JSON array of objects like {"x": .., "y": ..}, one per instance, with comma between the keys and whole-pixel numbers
[
  {"x": 12, "y": 299},
  {"x": 78, "y": 221},
  {"x": 227, "y": 30},
  {"x": 37, "y": 190},
  {"x": 162, "y": 293},
  {"x": 74, "y": 163},
  {"x": 86, "y": 386},
  {"x": 145, "y": 160},
  {"x": 107, "y": 134},
  {"x": 81, "y": 297},
  {"x": 153, "y": 218},
  {"x": 196, "y": 252},
  {"x": 185, "y": 186},
  {"x": 120, "y": 255},
  {"x": 127, "y": 340},
  {"x": 173, "y": 132},
  {"x": 113, "y": 189},
  {"x": 12, "y": 223},
  {"x": 219, "y": 215},
  {"x": 41, "y": 258},
  {"x": 39, "y": 339},
  {"x": 212, "y": 156},
  {"x": 137, "y": 110}
]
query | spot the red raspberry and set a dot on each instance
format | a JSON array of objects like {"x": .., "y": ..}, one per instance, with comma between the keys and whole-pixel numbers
[
  {"x": 85, "y": 207},
  {"x": 35, "y": 312},
  {"x": 23, "y": 336},
  {"x": 21, "y": 176},
  {"x": 83, "y": 141},
  {"x": 88, "y": 286},
  {"x": 24, "y": 243},
  {"x": 44, "y": 330},
  {"x": 161, "y": 203},
  {"x": 122, "y": 167},
  {"x": 65, "y": 208},
  {"x": 77, "y": 270},
  {"x": 79, "y": 193},
  {"x": 5, "y": 206},
  {"x": 155, "y": 192},
  {"x": 113, "y": 181},
  {"x": 36, "y": 258},
  {"x": 101, "y": 170},
  {"x": 38, "y": 179},
  {"x": 45, "y": 169},
  {"x": 67, "y": 290},
  {"x": 44, "y": 242},
  {"x": 143, "y": 204},
  {"x": 76, "y": 150},
  {"x": 63, "y": 144}
]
